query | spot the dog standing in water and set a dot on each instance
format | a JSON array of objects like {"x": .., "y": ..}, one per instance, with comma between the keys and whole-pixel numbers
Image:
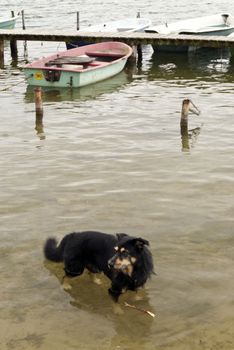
[{"x": 124, "y": 259}]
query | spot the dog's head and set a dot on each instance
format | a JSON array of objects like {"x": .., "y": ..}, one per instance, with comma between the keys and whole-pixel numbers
[{"x": 128, "y": 253}]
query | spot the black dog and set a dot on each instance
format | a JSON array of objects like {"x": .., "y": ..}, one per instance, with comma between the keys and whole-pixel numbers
[{"x": 124, "y": 259}]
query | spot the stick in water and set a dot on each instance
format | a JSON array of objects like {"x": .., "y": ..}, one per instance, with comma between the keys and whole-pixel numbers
[{"x": 139, "y": 309}]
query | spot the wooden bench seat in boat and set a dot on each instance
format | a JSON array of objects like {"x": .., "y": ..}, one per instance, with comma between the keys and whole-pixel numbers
[
  {"x": 106, "y": 53},
  {"x": 80, "y": 60}
]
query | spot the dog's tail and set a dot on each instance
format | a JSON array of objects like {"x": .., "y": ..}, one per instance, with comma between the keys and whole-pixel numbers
[{"x": 53, "y": 251}]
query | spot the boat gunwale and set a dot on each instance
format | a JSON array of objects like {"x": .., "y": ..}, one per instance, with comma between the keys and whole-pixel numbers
[{"x": 8, "y": 19}]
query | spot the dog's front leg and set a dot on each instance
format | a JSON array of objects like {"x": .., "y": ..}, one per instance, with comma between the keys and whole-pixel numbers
[
  {"x": 117, "y": 309},
  {"x": 114, "y": 294},
  {"x": 65, "y": 283}
]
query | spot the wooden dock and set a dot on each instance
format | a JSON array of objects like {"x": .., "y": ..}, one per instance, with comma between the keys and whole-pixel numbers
[{"x": 132, "y": 39}]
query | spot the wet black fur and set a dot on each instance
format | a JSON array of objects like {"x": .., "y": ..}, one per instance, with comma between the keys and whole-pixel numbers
[{"x": 95, "y": 251}]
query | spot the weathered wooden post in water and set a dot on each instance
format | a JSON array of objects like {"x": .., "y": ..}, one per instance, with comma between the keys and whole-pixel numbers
[
  {"x": 25, "y": 42},
  {"x": 13, "y": 44},
  {"x": 39, "y": 113},
  {"x": 23, "y": 20},
  {"x": 38, "y": 100},
  {"x": 187, "y": 106},
  {"x": 78, "y": 20}
]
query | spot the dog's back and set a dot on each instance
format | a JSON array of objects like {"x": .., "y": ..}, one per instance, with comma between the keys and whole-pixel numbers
[{"x": 79, "y": 250}]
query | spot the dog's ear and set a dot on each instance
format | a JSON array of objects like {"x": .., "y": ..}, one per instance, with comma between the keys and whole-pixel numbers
[
  {"x": 140, "y": 242},
  {"x": 120, "y": 235}
]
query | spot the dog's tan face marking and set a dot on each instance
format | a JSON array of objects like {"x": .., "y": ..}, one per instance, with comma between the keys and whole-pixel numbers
[
  {"x": 123, "y": 261},
  {"x": 125, "y": 265},
  {"x": 129, "y": 270}
]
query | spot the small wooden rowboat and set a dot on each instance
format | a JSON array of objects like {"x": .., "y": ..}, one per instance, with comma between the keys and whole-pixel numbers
[
  {"x": 80, "y": 66},
  {"x": 8, "y": 22}
]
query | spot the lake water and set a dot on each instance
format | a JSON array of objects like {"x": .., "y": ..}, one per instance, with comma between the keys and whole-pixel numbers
[{"x": 110, "y": 157}]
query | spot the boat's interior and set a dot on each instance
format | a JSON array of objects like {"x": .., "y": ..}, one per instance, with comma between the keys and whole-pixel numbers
[{"x": 88, "y": 60}]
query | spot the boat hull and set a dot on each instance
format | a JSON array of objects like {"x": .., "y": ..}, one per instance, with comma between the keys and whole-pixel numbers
[
  {"x": 36, "y": 77},
  {"x": 8, "y": 23}
]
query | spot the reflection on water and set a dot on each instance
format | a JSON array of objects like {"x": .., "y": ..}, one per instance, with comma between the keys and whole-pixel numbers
[
  {"x": 39, "y": 127},
  {"x": 204, "y": 64},
  {"x": 85, "y": 93},
  {"x": 92, "y": 298},
  {"x": 80, "y": 94},
  {"x": 188, "y": 137}
]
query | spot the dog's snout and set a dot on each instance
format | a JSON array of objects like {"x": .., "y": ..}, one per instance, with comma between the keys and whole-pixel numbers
[{"x": 111, "y": 263}]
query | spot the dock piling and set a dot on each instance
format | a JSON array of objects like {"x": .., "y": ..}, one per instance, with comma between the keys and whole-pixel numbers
[
  {"x": 13, "y": 44},
  {"x": 38, "y": 101},
  {"x": 14, "y": 50},
  {"x": 1, "y": 52},
  {"x": 139, "y": 49}
]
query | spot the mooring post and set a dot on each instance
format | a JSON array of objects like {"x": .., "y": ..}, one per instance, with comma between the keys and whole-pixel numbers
[
  {"x": 78, "y": 20},
  {"x": 13, "y": 44},
  {"x": 38, "y": 101},
  {"x": 25, "y": 42},
  {"x": 1, "y": 52},
  {"x": 14, "y": 50},
  {"x": 139, "y": 53},
  {"x": 23, "y": 20},
  {"x": 132, "y": 59}
]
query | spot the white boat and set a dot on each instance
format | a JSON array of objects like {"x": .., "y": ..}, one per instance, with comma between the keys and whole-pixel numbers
[
  {"x": 125, "y": 25},
  {"x": 218, "y": 24},
  {"x": 8, "y": 22}
]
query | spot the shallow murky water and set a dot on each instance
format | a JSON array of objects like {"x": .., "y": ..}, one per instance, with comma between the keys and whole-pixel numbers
[{"x": 110, "y": 157}]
